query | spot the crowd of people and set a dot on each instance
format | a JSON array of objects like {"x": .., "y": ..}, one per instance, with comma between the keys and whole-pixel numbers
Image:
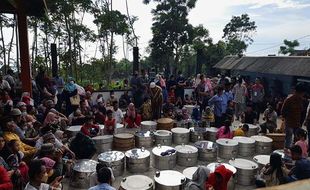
[{"x": 37, "y": 151}]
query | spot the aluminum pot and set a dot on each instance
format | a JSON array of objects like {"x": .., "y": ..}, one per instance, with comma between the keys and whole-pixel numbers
[
  {"x": 187, "y": 155},
  {"x": 165, "y": 124},
  {"x": 163, "y": 137},
  {"x": 137, "y": 182},
  {"x": 137, "y": 160},
  {"x": 227, "y": 148},
  {"x": 281, "y": 152},
  {"x": 144, "y": 139},
  {"x": 207, "y": 150},
  {"x": 73, "y": 130},
  {"x": 263, "y": 145},
  {"x": 261, "y": 160},
  {"x": 246, "y": 146},
  {"x": 82, "y": 171},
  {"x": 253, "y": 130},
  {"x": 169, "y": 180},
  {"x": 148, "y": 126},
  {"x": 231, "y": 183},
  {"x": 246, "y": 171},
  {"x": 123, "y": 141},
  {"x": 180, "y": 135},
  {"x": 189, "y": 109},
  {"x": 188, "y": 173},
  {"x": 115, "y": 160},
  {"x": 103, "y": 143},
  {"x": 167, "y": 161},
  {"x": 211, "y": 134},
  {"x": 197, "y": 134}
]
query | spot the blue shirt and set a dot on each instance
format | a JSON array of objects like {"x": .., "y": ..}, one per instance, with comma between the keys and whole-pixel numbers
[
  {"x": 102, "y": 186},
  {"x": 226, "y": 97},
  {"x": 301, "y": 169},
  {"x": 217, "y": 101}
]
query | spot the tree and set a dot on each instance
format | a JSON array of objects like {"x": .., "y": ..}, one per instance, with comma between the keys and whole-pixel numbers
[
  {"x": 171, "y": 32},
  {"x": 289, "y": 47},
  {"x": 238, "y": 34}
]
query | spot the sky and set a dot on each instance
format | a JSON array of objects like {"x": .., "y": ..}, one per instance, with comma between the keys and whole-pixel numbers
[{"x": 276, "y": 20}]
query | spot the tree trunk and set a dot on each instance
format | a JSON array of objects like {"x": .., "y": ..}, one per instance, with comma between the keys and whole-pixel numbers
[
  {"x": 33, "y": 53},
  {"x": 111, "y": 51},
  {"x": 3, "y": 46},
  {"x": 11, "y": 44},
  {"x": 69, "y": 67}
]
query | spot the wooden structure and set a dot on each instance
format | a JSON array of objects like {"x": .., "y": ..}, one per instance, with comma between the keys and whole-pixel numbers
[{"x": 22, "y": 9}]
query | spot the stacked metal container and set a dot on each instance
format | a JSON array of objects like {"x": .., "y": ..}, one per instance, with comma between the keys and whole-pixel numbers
[
  {"x": 167, "y": 161},
  {"x": 137, "y": 160},
  {"x": 144, "y": 139},
  {"x": 115, "y": 160},
  {"x": 180, "y": 135},
  {"x": 207, "y": 150},
  {"x": 137, "y": 182},
  {"x": 81, "y": 173},
  {"x": 103, "y": 143},
  {"x": 163, "y": 137},
  {"x": 246, "y": 146},
  {"x": 211, "y": 134},
  {"x": 263, "y": 145},
  {"x": 197, "y": 134},
  {"x": 169, "y": 180},
  {"x": 187, "y": 155},
  {"x": 246, "y": 171},
  {"x": 227, "y": 148}
]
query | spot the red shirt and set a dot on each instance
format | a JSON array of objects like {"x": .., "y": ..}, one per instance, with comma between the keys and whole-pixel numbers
[
  {"x": 87, "y": 127},
  {"x": 130, "y": 121},
  {"x": 225, "y": 173},
  {"x": 5, "y": 181},
  {"x": 109, "y": 126}
]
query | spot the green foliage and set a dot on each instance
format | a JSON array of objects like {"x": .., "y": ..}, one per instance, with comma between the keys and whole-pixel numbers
[
  {"x": 238, "y": 33},
  {"x": 289, "y": 47}
]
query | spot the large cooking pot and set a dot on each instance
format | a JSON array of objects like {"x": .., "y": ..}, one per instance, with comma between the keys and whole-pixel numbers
[
  {"x": 73, "y": 130},
  {"x": 103, "y": 143},
  {"x": 81, "y": 173},
  {"x": 227, "y": 148},
  {"x": 188, "y": 173},
  {"x": 115, "y": 160},
  {"x": 167, "y": 161},
  {"x": 165, "y": 124},
  {"x": 180, "y": 135},
  {"x": 163, "y": 137},
  {"x": 169, "y": 180},
  {"x": 137, "y": 160},
  {"x": 263, "y": 145},
  {"x": 123, "y": 141},
  {"x": 144, "y": 139},
  {"x": 253, "y": 130},
  {"x": 189, "y": 109},
  {"x": 246, "y": 146},
  {"x": 231, "y": 183},
  {"x": 211, "y": 134},
  {"x": 197, "y": 133},
  {"x": 207, "y": 150},
  {"x": 187, "y": 155},
  {"x": 261, "y": 160},
  {"x": 148, "y": 126},
  {"x": 137, "y": 182},
  {"x": 246, "y": 171},
  {"x": 119, "y": 128}
]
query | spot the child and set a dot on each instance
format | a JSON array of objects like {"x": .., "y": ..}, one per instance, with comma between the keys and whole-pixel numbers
[
  {"x": 187, "y": 100},
  {"x": 185, "y": 115},
  {"x": 224, "y": 131},
  {"x": 109, "y": 123},
  {"x": 301, "y": 136},
  {"x": 179, "y": 103},
  {"x": 241, "y": 131},
  {"x": 209, "y": 116},
  {"x": 172, "y": 96},
  {"x": 146, "y": 109},
  {"x": 89, "y": 128}
]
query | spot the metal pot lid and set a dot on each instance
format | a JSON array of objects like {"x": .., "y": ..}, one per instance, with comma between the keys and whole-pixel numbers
[
  {"x": 169, "y": 178},
  {"x": 143, "y": 134},
  {"x": 111, "y": 156},
  {"x": 188, "y": 172},
  {"x": 205, "y": 145},
  {"x": 85, "y": 166},
  {"x": 186, "y": 149},
  {"x": 262, "y": 159},
  {"x": 123, "y": 136},
  {"x": 162, "y": 133},
  {"x": 148, "y": 123},
  {"x": 244, "y": 140},
  {"x": 107, "y": 138},
  {"x": 262, "y": 138},
  {"x": 159, "y": 149},
  {"x": 164, "y": 120},
  {"x": 198, "y": 129},
  {"x": 214, "y": 165},
  {"x": 137, "y": 182},
  {"x": 251, "y": 126},
  {"x": 118, "y": 125},
  {"x": 180, "y": 130},
  {"x": 244, "y": 164},
  {"x": 137, "y": 153},
  {"x": 212, "y": 129},
  {"x": 281, "y": 152},
  {"x": 74, "y": 128},
  {"x": 226, "y": 142}
]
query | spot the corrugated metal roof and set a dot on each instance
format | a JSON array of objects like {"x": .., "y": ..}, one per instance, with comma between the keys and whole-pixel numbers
[{"x": 282, "y": 65}]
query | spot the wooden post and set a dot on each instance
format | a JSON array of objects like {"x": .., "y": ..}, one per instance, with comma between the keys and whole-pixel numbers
[{"x": 25, "y": 76}]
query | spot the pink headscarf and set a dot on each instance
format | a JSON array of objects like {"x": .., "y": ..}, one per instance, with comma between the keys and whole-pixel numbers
[
  {"x": 49, "y": 163},
  {"x": 131, "y": 112}
]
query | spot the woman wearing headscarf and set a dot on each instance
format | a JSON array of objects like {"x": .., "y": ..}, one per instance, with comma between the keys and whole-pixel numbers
[
  {"x": 199, "y": 179},
  {"x": 132, "y": 118},
  {"x": 156, "y": 100},
  {"x": 70, "y": 90}
]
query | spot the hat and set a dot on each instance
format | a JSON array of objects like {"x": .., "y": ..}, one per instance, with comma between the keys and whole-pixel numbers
[
  {"x": 15, "y": 112},
  {"x": 20, "y": 104},
  {"x": 152, "y": 85},
  {"x": 48, "y": 163},
  {"x": 47, "y": 147}
]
